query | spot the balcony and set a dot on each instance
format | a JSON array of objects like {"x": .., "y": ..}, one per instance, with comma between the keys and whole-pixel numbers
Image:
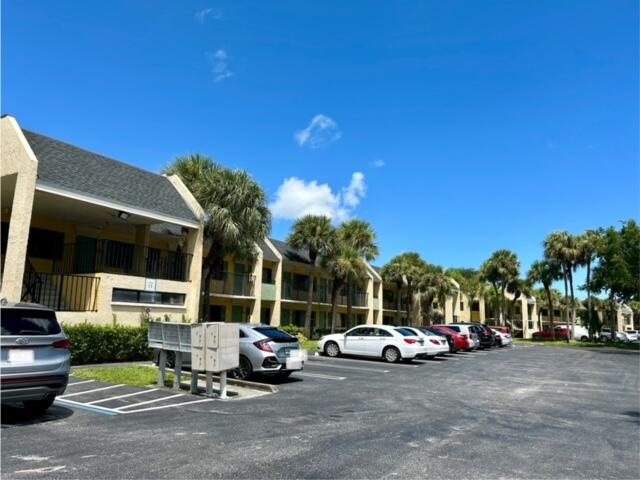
[
  {"x": 108, "y": 256},
  {"x": 64, "y": 293},
  {"x": 233, "y": 284},
  {"x": 323, "y": 295},
  {"x": 290, "y": 292},
  {"x": 390, "y": 304}
]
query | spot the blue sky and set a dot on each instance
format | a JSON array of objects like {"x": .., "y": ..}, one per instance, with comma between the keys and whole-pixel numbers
[{"x": 455, "y": 128}]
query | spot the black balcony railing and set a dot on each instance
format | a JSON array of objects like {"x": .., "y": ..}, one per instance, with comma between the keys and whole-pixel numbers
[
  {"x": 388, "y": 304},
  {"x": 62, "y": 292},
  {"x": 321, "y": 295},
  {"x": 123, "y": 258},
  {"x": 240, "y": 284}
]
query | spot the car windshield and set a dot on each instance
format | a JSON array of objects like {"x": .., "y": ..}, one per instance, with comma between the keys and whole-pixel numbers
[
  {"x": 455, "y": 328},
  {"x": 275, "y": 335},
  {"x": 21, "y": 321},
  {"x": 428, "y": 332},
  {"x": 405, "y": 332}
]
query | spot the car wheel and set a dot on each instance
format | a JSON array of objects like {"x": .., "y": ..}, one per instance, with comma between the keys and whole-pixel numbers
[
  {"x": 244, "y": 370},
  {"x": 584, "y": 338},
  {"x": 391, "y": 354},
  {"x": 331, "y": 349},
  {"x": 38, "y": 405}
]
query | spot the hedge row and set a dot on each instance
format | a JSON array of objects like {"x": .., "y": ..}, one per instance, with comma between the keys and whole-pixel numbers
[{"x": 107, "y": 343}]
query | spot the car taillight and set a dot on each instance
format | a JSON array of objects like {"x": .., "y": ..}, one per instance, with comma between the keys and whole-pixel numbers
[
  {"x": 65, "y": 344},
  {"x": 410, "y": 341},
  {"x": 435, "y": 342},
  {"x": 264, "y": 346},
  {"x": 464, "y": 336}
]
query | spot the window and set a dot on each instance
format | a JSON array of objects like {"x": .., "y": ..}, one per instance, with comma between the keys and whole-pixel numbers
[
  {"x": 379, "y": 332},
  {"x": 530, "y": 324},
  {"x": 405, "y": 333},
  {"x": 455, "y": 328},
  {"x": 45, "y": 244},
  {"x": 461, "y": 306},
  {"x": 28, "y": 322},
  {"x": 359, "y": 332},
  {"x": 267, "y": 275},
  {"x": 141, "y": 296}
]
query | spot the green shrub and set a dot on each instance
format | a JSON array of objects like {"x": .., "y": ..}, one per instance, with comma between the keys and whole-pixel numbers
[
  {"x": 297, "y": 332},
  {"x": 107, "y": 343}
]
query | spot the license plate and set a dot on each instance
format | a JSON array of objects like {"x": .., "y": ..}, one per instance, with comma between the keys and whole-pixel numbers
[{"x": 21, "y": 355}]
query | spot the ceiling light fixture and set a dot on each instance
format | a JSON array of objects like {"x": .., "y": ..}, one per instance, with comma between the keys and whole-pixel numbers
[{"x": 123, "y": 215}]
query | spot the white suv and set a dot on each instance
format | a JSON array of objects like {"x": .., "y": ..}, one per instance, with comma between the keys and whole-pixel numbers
[
  {"x": 463, "y": 328},
  {"x": 605, "y": 335}
]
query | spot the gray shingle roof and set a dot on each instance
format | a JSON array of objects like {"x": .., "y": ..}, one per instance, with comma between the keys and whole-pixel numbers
[
  {"x": 267, "y": 253},
  {"x": 73, "y": 169},
  {"x": 290, "y": 254}
]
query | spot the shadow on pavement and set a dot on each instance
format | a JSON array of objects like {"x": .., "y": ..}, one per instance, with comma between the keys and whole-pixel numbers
[{"x": 14, "y": 415}]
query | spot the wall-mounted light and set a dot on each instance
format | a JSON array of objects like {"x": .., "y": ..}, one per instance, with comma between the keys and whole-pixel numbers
[{"x": 123, "y": 215}]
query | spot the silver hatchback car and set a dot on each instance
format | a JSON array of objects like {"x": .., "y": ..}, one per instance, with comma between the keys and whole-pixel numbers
[
  {"x": 35, "y": 361},
  {"x": 264, "y": 349}
]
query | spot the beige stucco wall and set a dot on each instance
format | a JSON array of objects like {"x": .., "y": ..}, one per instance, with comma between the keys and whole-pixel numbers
[
  {"x": 18, "y": 159},
  {"x": 129, "y": 314}
]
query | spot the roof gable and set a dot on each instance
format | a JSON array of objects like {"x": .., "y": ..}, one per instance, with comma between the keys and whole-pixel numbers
[{"x": 73, "y": 169}]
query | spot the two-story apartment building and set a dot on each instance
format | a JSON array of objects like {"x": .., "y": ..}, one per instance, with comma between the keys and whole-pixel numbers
[{"x": 96, "y": 239}]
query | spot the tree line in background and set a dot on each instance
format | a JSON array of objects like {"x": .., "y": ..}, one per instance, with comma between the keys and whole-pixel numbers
[{"x": 236, "y": 217}]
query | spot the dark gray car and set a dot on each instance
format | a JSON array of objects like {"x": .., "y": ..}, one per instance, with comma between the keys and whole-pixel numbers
[{"x": 35, "y": 361}]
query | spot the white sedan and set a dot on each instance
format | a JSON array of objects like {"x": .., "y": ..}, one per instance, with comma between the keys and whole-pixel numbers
[
  {"x": 380, "y": 341},
  {"x": 505, "y": 338},
  {"x": 436, "y": 344}
]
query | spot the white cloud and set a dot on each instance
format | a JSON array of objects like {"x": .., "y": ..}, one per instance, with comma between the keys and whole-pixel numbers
[
  {"x": 356, "y": 190},
  {"x": 205, "y": 13},
  {"x": 320, "y": 132},
  {"x": 378, "y": 163},
  {"x": 296, "y": 198},
  {"x": 220, "y": 65}
]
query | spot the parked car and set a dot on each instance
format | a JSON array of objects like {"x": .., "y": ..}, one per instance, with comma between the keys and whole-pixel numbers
[
  {"x": 632, "y": 335},
  {"x": 380, "y": 341},
  {"x": 503, "y": 339},
  {"x": 457, "y": 341},
  {"x": 485, "y": 334},
  {"x": 581, "y": 332},
  {"x": 264, "y": 349},
  {"x": 605, "y": 335},
  {"x": 500, "y": 328},
  {"x": 35, "y": 361},
  {"x": 557, "y": 333},
  {"x": 470, "y": 333},
  {"x": 436, "y": 344}
]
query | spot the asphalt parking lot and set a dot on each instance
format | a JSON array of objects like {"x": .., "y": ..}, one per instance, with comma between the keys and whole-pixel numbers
[{"x": 526, "y": 412}]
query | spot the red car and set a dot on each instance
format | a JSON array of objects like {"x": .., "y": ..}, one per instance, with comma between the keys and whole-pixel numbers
[
  {"x": 560, "y": 333},
  {"x": 460, "y": 341}
]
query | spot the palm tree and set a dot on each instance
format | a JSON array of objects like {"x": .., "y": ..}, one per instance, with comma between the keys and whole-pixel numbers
[
  {"x": 313, "y": 233},
  {"x": 499, "y": 270},
  {"x": 432, "y": 285},
  {"x": 588, "y": 245},
  {"x": 564, "y": 248},
  {"x": 518, "y": 288},
  {"x": 342, "y": 262},
  {"x": 545, "y": 272},
  {"x": 393, "y": 272},
  {"x": 362, "y": 238},
  {"x": 236, "y": 215},
  {"x": 471, "y": 287},
  {"x": 408, "y": 267}
]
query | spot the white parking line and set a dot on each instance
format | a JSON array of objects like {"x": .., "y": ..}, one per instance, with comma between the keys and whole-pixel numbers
[
  {"x": 320, "y": 375},
  {"x": 150, "y": 401},
  {"x": 364, "y": 369},
  {"x": 79, "y": 383},
  {"x": 166, "y": 406},
  {"x": 122, "y": 396},
  {"x": 85, "y": 406},
  {"x": 364, "y": 362},
  {"x": 91, "y": 391}
]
